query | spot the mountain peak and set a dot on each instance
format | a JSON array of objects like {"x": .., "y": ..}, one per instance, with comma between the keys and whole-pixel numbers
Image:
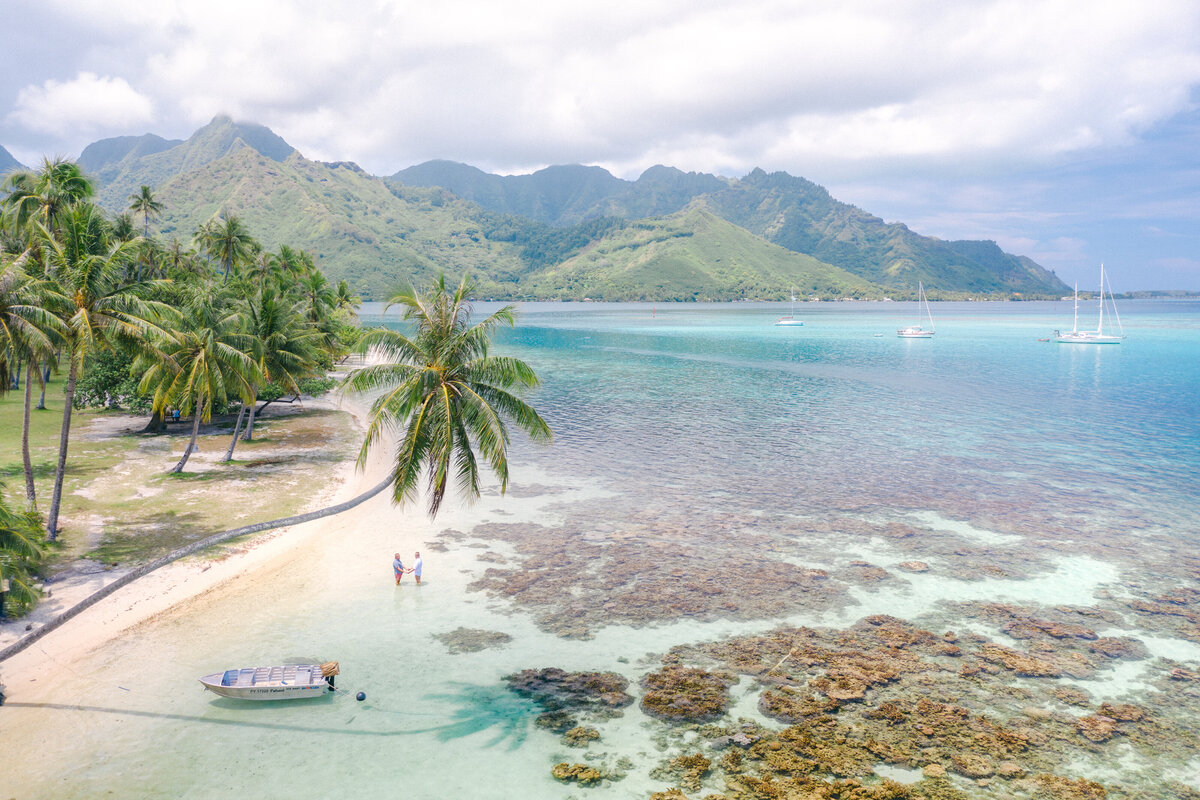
[{"x": 223, "y": 132}]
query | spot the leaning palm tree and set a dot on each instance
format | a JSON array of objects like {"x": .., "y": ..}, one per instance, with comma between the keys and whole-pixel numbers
[
  {"x": 445, "y": 393},
  {"x": 100, "y": 310},
  {"x": 283, "y": 345},
  {"x": 225, "y": 240},
  {"x": 143, "y": 202}
]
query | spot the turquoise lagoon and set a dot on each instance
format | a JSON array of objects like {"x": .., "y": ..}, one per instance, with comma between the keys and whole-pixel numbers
[{"x": 700, "y": 453}]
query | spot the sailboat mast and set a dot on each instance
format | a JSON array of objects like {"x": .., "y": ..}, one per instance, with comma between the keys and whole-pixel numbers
[
  {"x": 1100, "y": 325},
  {"x": 1075, "y": 324}
]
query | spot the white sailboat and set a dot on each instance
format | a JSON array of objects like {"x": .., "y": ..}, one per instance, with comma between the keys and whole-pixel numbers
[
  {"x": 916, "y": 331},
  {"x": 790, "y": 319},
  {"x": 1098, "y": 336}
]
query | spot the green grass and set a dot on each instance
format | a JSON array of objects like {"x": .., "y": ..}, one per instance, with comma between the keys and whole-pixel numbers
[{"x": 119, "y": 502}]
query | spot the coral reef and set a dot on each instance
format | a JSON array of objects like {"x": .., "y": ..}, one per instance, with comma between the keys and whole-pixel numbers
[
  {"x": 579, "y": 736},
  {"x": 581, "y": 774},
  {"x": 471, "y": 640},
  {"x": 686, "y": 694},
  {"x": 564, "y": 695},
  {"x": 686, "y": 770}
]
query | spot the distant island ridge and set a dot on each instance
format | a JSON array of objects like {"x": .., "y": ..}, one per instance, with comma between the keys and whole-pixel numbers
[{"x": 563, "y": 232}]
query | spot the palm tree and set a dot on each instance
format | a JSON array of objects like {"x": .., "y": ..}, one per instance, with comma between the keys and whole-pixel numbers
[
  {"x": 446, "y": 392},
  {"x": 20, "y": 553},
  {"x": 44, "y": 194},
  {"x": 100, "y": 308},
  {"x": 201, "y": 365},
  {"x": 143, "y": 202},
  {"x": 226, "y": 240},
  {"x": 282, "y": 345},
  {"x": 29, "y": 334},
  {"x": 346, "y": 300}
]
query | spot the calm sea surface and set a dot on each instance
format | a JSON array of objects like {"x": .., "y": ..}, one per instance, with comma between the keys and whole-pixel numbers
[{"x": 726, "y": 443}]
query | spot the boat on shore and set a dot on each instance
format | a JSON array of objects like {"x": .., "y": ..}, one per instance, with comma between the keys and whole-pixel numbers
[
  {"x": 1098, "y": 336},
  {"x": 289, "y": 682},
  {"x": 916, "y": 331}
]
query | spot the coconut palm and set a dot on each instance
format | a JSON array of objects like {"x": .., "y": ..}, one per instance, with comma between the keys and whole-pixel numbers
[
  {"x": 283, "y": 345},
  {"x": 20, "y": 552},
  {"x": 30, "y": 334},
  {"x": 225, "y": 240},
  {"x": 44, "y": 194},
  {"x": 346, "y": 300},
  {"x": 200, "y": 364},
  {"x": 446, "y": 393},
  {"x": 143, "y": 202},
  {"x": 100, "y": 310}
]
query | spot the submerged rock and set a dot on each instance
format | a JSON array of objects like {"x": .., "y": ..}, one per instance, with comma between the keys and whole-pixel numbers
[{"x": 471, "y": 640}]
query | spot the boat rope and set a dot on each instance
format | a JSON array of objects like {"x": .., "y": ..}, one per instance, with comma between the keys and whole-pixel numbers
[{"x": 179, "y": 553}]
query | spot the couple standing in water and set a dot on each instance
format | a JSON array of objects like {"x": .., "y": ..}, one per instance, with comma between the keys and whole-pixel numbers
[{"x": 399, "y": 571}]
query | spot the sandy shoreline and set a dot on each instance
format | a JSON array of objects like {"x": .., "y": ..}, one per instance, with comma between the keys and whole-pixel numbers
[{"x": 175, "y": 584}]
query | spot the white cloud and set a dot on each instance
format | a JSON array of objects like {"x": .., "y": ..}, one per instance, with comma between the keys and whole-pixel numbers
[
  {"x": 84, "y": 105},
  {"x": 848, "y": 85}
]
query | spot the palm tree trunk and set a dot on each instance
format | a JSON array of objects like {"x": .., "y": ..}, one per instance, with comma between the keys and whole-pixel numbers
[
  {"x": 195, "y": 432},
  {"x": 43, "y": 379},
  {"x": 236, "y": 429},
  {"x": 157, "y": 423},
  {"x": 60, "y": 469},
  {"x": 30, "y": 489},
  {"x": 250, "y": 423}
]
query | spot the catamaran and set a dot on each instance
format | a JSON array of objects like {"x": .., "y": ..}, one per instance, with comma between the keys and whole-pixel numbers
[
  {"x": 1098, "y": 336},
  {"x": 916, "y": 331},
  {"x": 790, "y": 319}
]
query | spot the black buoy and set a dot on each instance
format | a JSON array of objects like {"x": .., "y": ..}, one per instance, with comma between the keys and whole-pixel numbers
[{"x": 360, "y": 696}]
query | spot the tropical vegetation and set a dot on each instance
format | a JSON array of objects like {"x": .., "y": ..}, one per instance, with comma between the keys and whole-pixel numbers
[
  {"x": 124, "y": 319},
  {"x": 445, "y": 394}
]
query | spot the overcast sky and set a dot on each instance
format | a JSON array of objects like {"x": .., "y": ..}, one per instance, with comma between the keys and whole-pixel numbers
[{"x": 1067, "y": 131}]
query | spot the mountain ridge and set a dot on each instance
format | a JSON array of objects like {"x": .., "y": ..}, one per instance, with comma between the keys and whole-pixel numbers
[
  {"x": 8, "y": 162},
  {"x": 521, "y": 233}
]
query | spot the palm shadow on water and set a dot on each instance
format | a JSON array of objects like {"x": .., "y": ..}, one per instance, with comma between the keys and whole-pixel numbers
[
  {"x": 480, "y": 708},
  {"x": 483, "y": 708}
]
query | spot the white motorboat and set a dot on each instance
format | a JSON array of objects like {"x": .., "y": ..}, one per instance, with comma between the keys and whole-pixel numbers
[
  {"x": 1098, "y": 336},
  {"x": 790, "y": 319},
  {"x": 916, "y": 331},
  {"x": 290, "y": 682}
]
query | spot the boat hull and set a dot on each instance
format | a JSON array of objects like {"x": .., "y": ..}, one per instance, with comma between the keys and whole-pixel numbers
[
  {"x": 914, "y": 333},
  {"x": 269, "y": 692},
  {"x": 792, "y": 323},
  {"x": 268, "y": 683},
  {"x": 1093, "y": 339}
]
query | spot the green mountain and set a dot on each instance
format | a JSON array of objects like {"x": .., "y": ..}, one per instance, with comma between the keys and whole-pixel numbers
[
  {"x": 357, "y": 228},
  {"x": 121, "y": 166},
  {"x": 98, "y": 156},
  {"x": 690, "y": 255},
  {"x": 555, "y": 195},
  {"x": 802, "y": 216},
  {"x": 792, "y": 212},
  {"x": 7, "y": 162},
  {"x": 561, "y": 232}
]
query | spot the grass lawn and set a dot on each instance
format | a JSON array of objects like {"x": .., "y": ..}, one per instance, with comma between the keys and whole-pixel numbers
[{"x": 120, "y": 505}]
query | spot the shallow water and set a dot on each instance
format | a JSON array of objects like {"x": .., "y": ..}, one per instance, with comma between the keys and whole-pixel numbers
[{"x": 702, "y": 458}]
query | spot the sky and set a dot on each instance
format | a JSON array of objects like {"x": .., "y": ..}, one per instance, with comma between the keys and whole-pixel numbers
[{"x": 1066, "y": 131}]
